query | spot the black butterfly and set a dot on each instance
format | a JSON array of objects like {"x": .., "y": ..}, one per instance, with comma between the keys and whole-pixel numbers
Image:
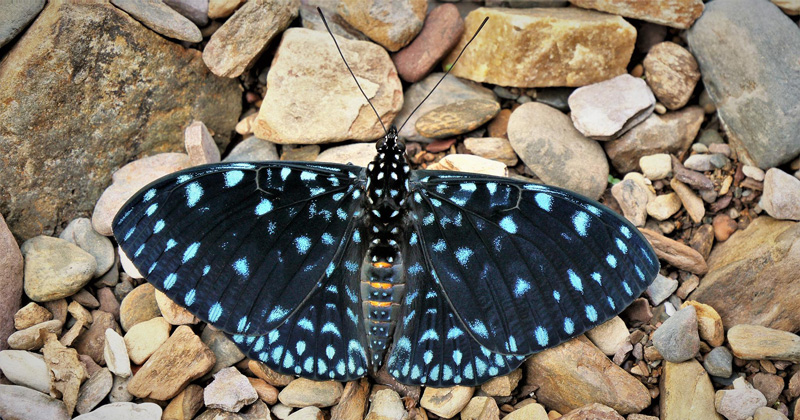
[{"x": 329, "y": 271}]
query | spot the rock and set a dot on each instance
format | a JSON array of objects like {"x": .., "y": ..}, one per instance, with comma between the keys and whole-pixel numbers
[
  {"x": 140, "y": 305},
  {"x": 180, "y": 360},
  {"x": 124, "y": 411},
  {"x": 753, "y": 172},
  {"x": 451, "y": 90},
  {"x": 85, "y": 299},
  {"x": 143, "y": 339},
  {"x": 481, "y": 408},
  {"x": 470, "y": 163},
  {"x": 502, "y": 386},
  {"x": 303, "y": 392},
  {"x": 738, "y": 404},
  {"x": 441, "y": 31},
  {"x": 392, "y": 25},
  {"x": 11, "y": 282},
  {"x": 229, "y": 391},
  {"x": 162, "y": 19},
  {"x": 30, "y": 339},
  {"x": 766, "y": 413},
  {"x": 93, "y": 342},
  {"x": 781, "y": 196},
  {"x": 17, "y": 16},
  {"x": 58, "y": 308},
  {"x": 494, "y": 148},
  {"x": 676, "y": 253},
  {"x": 661, "y": 288},
  {"x": 223, "y": 8},
  {"x": 671, "y": 133},
  {"x": 194, "y": 10},
  {"x": 270, "y": 376},
  {"x": 675, "y": 13},
  {"x": 693, "y": 204},
  {"x": 702, "y": 240},
  {"x": 55, "y": 268},
  {"x": 308, "y": 413},
  {"x": 677, "y": 338},
  {"x": 719, "y": 362},
  {"x": 128, "y": 180},
  {"x": 94, "y": 390},
  {"x": 186, "y": 405},
  {"x": 686, "y": 392},
  {"x": 671, "y": 71},
  {"x": 172, "y": 312},
  {"x": 387, "y": 405},
  {"x": 709, "y": 323},
  {"x": 703, "y": 163},
  {"x": 265, "y": 391},
  {"x": 119, "y": 390},
  {"x": 80, "y": 313},
  {"x": 546, "y": 141},
  {"x": 26, "y": 369},
  {"x": 252, "y": 149},
  {"x": 664, "y": 206},
  {"x": 754, "y": 342},
  {"x": 80, "y": 233},
  {"x": 30, "y": 315},
  {"x": 633, "y": 195},
  {"x": 282, "y": 412},
  {"x": 753, "y": 268},
  {"x": 593, "y": 411},
  {"x": 360, "y": 154},
  {"x": 657, "y": 166},
  {"x": 300, "y": 153},
  {"x": 353, "y": 403},
  {"x": 576, "y": 373},
  {"x": 66, "y": 371},
  {"x": 609, "y": 336},
  {"x": 724, "y": 227},
  {"x": 225, "y": 351},
  {"x": 581, "y": 47},
  {"x": 115, "y": 354},
  {"x": 726, "y": 33},
  {"x": 531, "y": 411},
  {"x": 456, "y": 118},
  {"x": 19, "y": 402},
  {"x": 321, "y": 101},
  {"x": 200, "y": 145},
  {"x": 446, "y": 402},
  {"x": 241, "y": 40},
  {"x": 606, "y": 110},
  {"x": 770, "y": 385}
]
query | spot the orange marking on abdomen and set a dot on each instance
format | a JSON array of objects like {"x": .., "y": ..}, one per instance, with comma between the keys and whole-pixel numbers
[
  {"x": 379, "y": 285},
  {"x": 379, "y": 304},
  {"x": 382, "y": 264}
]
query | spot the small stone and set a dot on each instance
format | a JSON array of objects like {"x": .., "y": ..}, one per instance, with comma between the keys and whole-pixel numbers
[
  {"x": 393, "y": 26},
  {"x": 180, "y": 360},
  {"x": 270, "y": 376},
  {"x": 766, "y": 413},
  {"x": 119, "y": 390},
  {"x": 30, "y": 315},
  {"x": 780, "y": 199},
  {"x": 303, "y": 392},
  {"x": 66, "y": 371},
  {"x": 108, "y": 302},
  {"x": 694, "y": 205},
  {"x": 606, "y": 110},
  {"x": 498, "y": 127},
  {"x": 609, "y": 336},
  {"x": 115, "y": 354},
  {"x": 81, "y": 233},
  {"x": 225, "y": 351},
  {"x": 661, "y": 288},
  {"x": 229, "y": 391},
  {"x": 360, "y": 154},
  {"x": 58, "y": 308},
  {"x": 502, "y": 386},
  {"x": 470, "y": 163},
  {"x": 753, "y": 172},
  {"x": 738, "y": 404},
  {"x": 143, "y": 339},
  {"x": 719, "y": 362},
  {"x": 456, "y": 118},
  {"x": 85, "y": 299},
  {"x": 481, "y": 408},
  {"x": 709, "y": 323},
  {"x": 664, "y": 206},
  {"x": 657, "y": 166},
  {"x": 633, "y": 194},
  {"x": 194, "y": 10},
  {"x": 223, "y": 8},
  {"x": 440, "y": 32},
  {"x": 672, "y": 72},
  {"x": 186, "y": 405},
  {"x": 494, "y": 148},
  {"x": 239, "y": 42},
  {"x": 677, "y": 338},
  {"x": 19, "y": 402},
  {"x": 252, "y": 149},
  {"x": 11, "y": 281},
  {"x": 265, "y": 391},
  {"x": 127, "y": 265},
  {"x": 387, "y": 405},
  {"x": 30, "y": 339},
  {"x": 703, "y": 163},
  {"x": 446, "y": 402},
  {"x": 531, "y": 411},
  {"x": 686, "y": 392},
  {"x": 308, "y": 413},
  {"x": 592, "y": 47},
  {"x": 200, "y": 145},
  {"x": 25, "y": 368},
  {"x": 675, "y": 13},
  {"x": 754, "y": 342},
  {"x": 593, "y": 411},
  {"x": 724, "y": 227},
  {"x": 92, "y": 342},
  {"x": 162, "y": 19},
  {"x": 301, "y": 153},
  {"x": 172, "y": 312},
  {"x": 124, "y": 411},
  {"x": 80, "y": 313},
  {"x": 55, "y": 268},
  {"x": 140, "y": 305},
  {"x": 94, "y": 390},
  {"x": 282, "y": 411},
  {"x": 17, "y": 16},
  {"x": 770, "y": 385}
]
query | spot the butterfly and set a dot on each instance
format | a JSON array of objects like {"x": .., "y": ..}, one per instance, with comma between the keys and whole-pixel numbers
[{"x": 332, "y": 271}]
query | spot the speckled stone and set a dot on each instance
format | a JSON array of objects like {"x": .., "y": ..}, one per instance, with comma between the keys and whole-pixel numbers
[
  {"x": 140, "y": 305},
  {"x": 304, "y": 393},
  {"x": 446, "y": 402},
  {"x": 55, "y": 268},
  {"x": 677, "y": 338},
  {"x": 81, "y": 233},
  {"x": 162, "y": 19},
  {"x": 230, "y": 391}
]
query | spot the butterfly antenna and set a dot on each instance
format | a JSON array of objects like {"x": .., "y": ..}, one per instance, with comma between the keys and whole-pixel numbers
[
  {"x": 445, "y": 75},
  {"x": 351, "y": 70}
]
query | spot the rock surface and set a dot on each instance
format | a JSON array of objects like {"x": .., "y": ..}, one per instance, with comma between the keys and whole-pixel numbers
[
  {"x": 675, "y": 13},
  {"x": 161, "y": 86},
  {"x": 140, "y": 305},
  {"x": 303, "y": 392},
  {"x": 677, "y": 338},
  {"x": 360, "y": 154},
  {"x": 738, "y": 404},
  {"x": 671, "y": 71},
  {"x": 446, "y": 402},
  {"x": 25, "y": 368},
  {"x": 17, "y": 15},
  {"x": 124, "y": 411},
  {"x": 781, "y": 196},
  {"x": 19, "y": 402},
  {"x": 161, "y": 18},
  {"x": 686, "y": 392},
  {"x": 441, "y": 31},
  {"x": 606, "y": 110},
  {"x": 11, "y": 283},
  {"x": 575, "y": 47},
  {"x": 81, "y": 233},
  {"x": 392, "y": 24},
  {"x": 230, "y": 391},
  {"x": 55, "y": 268},
  {"x": 754, "y": 342}
]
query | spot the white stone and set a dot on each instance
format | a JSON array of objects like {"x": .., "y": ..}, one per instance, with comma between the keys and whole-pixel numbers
[
  {"x": 656, "y": 166},
  {"x": 606, "y": 110},
  {"x": 25, "y": 368},
  {"x": 115, "y": 354}
]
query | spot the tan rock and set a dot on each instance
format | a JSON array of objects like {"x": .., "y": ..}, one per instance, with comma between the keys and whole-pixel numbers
[
  {"x": 115, "y": 354},
  {"x": 265, "y": 391},
  {"x": 200, "y": 145},
  {"x": 229, "y": 391},
  {"x": 754, "y": 342},
  {"x": 664, "y": 206},
  {"x": 66, "y": 371},
  {"x": 633, "y": 196},
  {"x": 675, "y": 13},
  {"x": 686, "y": 392},
  {"x": 672, "y": 72},
  {"x": 30, "y": 315},
  {"x": 456, "y": 118},
  {"x": 353, "y": 403},
  {"x": 609, "y": 336},
  {"x": 709, "y": 323},
  {"x": 694, "y": 205},
  {"x": 186, "y": 405},
  {"x": 270, "y": 376},
  {"x": 481, "y": 408},
  {"x": 360, "y": 154},
  {"x": 592, "y": 411},
  {"x": 55, "y": 268},
  {"x": 391, "y": 24},
  {"x": 574, "y": 47},
  {"x": 446, "y": 402},
  {"x": 494, "y": 148},
  {"x": 303, "y": 392},
  {"x": 577, "y": 373},
  {"x": 172, "y": 312},
  {"x": 143, "y": 339},
  {"x": 502, "y": 386},
  {"x": 470, "y": 163},
  {"x": 531, "y": 411},
  {"x": 138, "y": 306},
  {"x": 790, "y": 7},
  {"x": 180, "y": 360},
  {"x": 30, "y": 338},
  {"x": 387, "y": 405},
  {"x": 223, "y": 8},
  {"x": 676, "y": 253}
]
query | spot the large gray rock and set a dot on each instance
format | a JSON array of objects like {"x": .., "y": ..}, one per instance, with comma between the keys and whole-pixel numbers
[
  {"x": 89, "y": 107},
  {"x": 749, "y": 65},
  {"x": 17, "y": 15},
  {"x": 18, "y": 402}
]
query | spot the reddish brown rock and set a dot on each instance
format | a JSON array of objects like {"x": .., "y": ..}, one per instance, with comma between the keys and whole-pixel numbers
[
  {"x": 593, "y": 411},
  {"x": 442, "y": 30},
  {"x": 676, "y": 253},
  {"x": 724, "y": 227},
  {"x": 671, "y": 71},
  {"x": 10, "y": 282},
  {"x": 392, "y": 24},
  {"x": 93, "y": 341}
]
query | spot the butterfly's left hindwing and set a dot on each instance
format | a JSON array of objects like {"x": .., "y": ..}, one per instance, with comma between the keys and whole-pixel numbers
[{"x": 241, "y": 245}]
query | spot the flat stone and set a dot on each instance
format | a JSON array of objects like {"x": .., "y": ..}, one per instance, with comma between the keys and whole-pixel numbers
[
  {"x": 577, "y": 373},
  {"x": 229, "y": 391},
  {"x": 440, "y": 32},
  {"x": 30, "y": 315},
  {"x": 676, "y": 253},
  {"x": 671, "y": 133},
  {"x": 677, "y": 338},
  {"x": 19, "y": 402},
  {"x": 252, "y": 149},
  {"x": 25, "y": 368},
  {"x": 709, "y": 323},
  {"x": 387, "y": 405},
  {"x": 300, "y": 153},
  {"x": 162, "y": 19},
  {"x": 225, "y": 351},
  {"x": 80, "y": 233},
  {"x": 296, "y": 80},
  {"x": 186, "y": 405},
  {"x": 672, "y": 72},
  {"x": 270, "y": 376},
  {"x": 303, "y": 392},
  {"x": 94, "y": 390},
  {"x": 675, "y": 13},
  {"x": 546, "y": 141},
  {"x": 352, "y": 404},
  {"x": 30, "y": 339},
  {"x": 11, "y": 282},
  {"x": 446, "y": 402},
  {"x": 172, "y": 312},
  {"x": 531, "y": 411},
  {"x": 578, "y": 47},
  {"x": 140, "y": 305},
  {"x": 753, "y": 172},
  {"x": 360, "y": 154},
  {"x": 55, "y": 268},
  {"x": 241, "y": 40},
  {"x": 755, "y": 268},
  {"x": 502, "y": 386},
  {"x": 719, "y": 362},
  {"x": 691, "y": 202},
  {"x": 661, "y": 288},
  {"x": 391, "y": 24},
  {"x": 200, "y": 145},
  {"x": 223, "y": 8},
  {"x": 58, "y": 308},
  {"x": 738, "y": 404},
  {"x": 17, "y": 16},
  {"x": 781, "y": 196},
  {"x": 470, "y": 163},
  {"x": 124, "y": 411},
  {"x": 119, "y": 390},
  {"x": 703, "y": 162},
  {"x": 686, "y": 392},
  {"x": 494, "y": 148},
  {"x": 180, "y": 360},
  {"x": 633, "y": 195},
  {"x": 664, "y": 206},
  {"x": 592, "y": 411},
  {"x": 307, "y": 413},
  {"x": 657, "y": 166},
  {"x": 481, "y": 408},
  {"x": 265, "y": 391},
  {"x": 766, "y": 413},
  {"x": 93, "y": 342},
  {"x": 770, "y": 385},
  {"x": 194, "y": 10},
  {"x": 115, "y": 354},
  {"x": 456, "y": 118},
  {"x": 609, "y": 336},
  {"x": 309, "y": 17},
  {"x": 143, "y": 339},
  {"x": 727, "y": 32},
  {"x": 754, "y": 342},
  {"x": 607, "y": 109}
]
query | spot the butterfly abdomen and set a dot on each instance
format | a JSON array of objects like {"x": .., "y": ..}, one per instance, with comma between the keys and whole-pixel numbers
[{"x": 382, "y": 290}]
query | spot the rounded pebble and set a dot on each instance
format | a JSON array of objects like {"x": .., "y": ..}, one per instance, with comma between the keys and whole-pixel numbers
[
  {"x": 25, "y": 368},
  {"x": 143, "y": 339},
  {"x": 55, "y": 268},
  {"x": 719, "y": 362},
  {"x": 303, "y": 392},
  {"x": 677, "y": 338}
]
